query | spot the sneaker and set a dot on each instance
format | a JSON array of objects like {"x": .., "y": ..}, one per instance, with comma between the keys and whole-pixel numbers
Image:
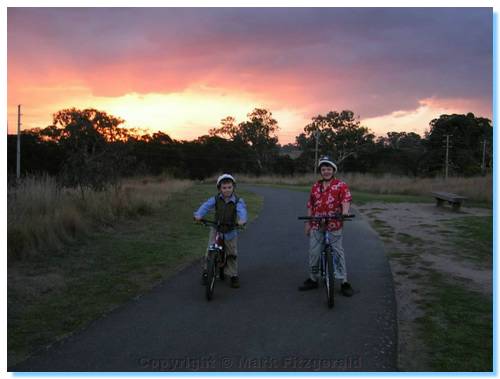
[
  {"x": 309, "y": 284},
  {"x": 204, "y": 279},
  {"x": 235, "y": 282},
  {"x": 346, "y": 289}
]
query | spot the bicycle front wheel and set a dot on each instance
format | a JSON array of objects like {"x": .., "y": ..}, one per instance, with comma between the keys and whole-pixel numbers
[
  {"x": 329, "y": 278},
  {"x": 211, "y": 274}
]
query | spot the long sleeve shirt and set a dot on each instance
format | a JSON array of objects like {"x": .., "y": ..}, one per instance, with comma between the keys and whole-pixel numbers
[{"x": 241, "y": 212}]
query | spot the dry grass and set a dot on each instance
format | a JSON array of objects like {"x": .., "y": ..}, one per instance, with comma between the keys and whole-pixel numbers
[
  {"x": 475, "y": 188},
  {"x": 43, "y": 217}
]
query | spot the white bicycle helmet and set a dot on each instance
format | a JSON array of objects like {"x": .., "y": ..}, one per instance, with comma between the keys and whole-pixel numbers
[
  {"x": 326, "y": 160},
  {"x": 225, "y": 176}
]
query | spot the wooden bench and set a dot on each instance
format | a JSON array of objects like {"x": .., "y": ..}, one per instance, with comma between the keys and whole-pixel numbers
[{"x": 453, "y": 199}]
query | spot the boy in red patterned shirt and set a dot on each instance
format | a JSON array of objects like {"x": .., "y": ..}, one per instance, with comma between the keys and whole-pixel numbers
[{"x": 329, "y": 196}]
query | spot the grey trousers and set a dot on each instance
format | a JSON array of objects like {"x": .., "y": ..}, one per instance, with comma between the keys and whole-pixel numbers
[{"x": 316, "y": 247}]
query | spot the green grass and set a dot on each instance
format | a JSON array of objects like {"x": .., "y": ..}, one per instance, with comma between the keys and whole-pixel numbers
[
  {"x": 426, "y": 226},
  {"x": 457, "y": 327},
  {"x": 360, "y": 197},
  {"x": 107, "y": 270},
  {"x": 408, "y": 260},
  {"x": 473, "y": 237},
  {"x": 408, "y": 239},
  {"x": 415, "y": 276},
  {"x": 478, "y": 204},
  {"x": 382, "y": 228}
]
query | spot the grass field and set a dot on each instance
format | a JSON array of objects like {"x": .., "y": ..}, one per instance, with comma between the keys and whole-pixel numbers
[
  {"x": 43, "y": 218},
  {"x": 52, "y": 295},
  {"x": 457, "y": 327},
  {"x": 361, "y": 197},
  {"x": 473, "y": 238},
  {"x": 478, "y": 190}
]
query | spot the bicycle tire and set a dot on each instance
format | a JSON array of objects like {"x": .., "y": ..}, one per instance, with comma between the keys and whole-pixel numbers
[
  {"x": 211, "y": 275},
  {"x": 329, "y": 279}
]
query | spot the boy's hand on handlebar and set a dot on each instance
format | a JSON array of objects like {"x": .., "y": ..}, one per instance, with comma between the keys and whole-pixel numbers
[{"x": 307, "y": 229}]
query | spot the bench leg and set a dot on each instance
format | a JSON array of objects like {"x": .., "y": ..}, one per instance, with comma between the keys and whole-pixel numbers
[
  {"x": 456, "y": 206},
  {"x": 439, "y": 202}
]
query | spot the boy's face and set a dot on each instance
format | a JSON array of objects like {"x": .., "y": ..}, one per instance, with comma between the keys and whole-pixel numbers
[
  {"x": 326, "y": 172},
  {"x": 226, "y": 189}
]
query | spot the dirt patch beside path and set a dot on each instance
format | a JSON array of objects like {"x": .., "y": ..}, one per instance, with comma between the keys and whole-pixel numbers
[{"x": 418, "y": 240}]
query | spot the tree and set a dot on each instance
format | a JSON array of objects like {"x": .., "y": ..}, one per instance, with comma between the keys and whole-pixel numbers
[
  {"x": 161, "y": 138},
  {"x": 467, "y": 135},
  {"x": 38, "y": 156},
  {"x": 258, "y": 133},
  {"x": 93, "y": 144},
  {"x": 400, "y": 153},
  {"x": 340, "y": 135},
  {"x": 227, "y": 129}
]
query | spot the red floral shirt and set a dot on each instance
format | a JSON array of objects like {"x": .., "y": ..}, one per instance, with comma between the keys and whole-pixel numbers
[{"x": 328, "y": 201}]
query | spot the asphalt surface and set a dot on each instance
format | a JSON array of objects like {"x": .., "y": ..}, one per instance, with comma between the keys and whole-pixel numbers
[{"x": 266, "y": 325}]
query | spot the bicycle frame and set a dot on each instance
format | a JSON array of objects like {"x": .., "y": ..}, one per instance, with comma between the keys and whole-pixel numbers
[
  {"x": 327, "y": 258},
  {"x": 327, "y": 267},
  {"x": 216, "y": 258},
  {"x": 328, "y": 245},
  {"x": 217, "y": 248}
]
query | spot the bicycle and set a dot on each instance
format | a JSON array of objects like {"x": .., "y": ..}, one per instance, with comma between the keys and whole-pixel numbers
[
  {"x": 327, "y": 262},
  {"x": 216, "y": 257}
]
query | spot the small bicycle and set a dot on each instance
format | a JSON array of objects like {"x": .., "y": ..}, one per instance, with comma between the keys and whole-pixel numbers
[
  {"x": 327, "y": 261},
  {"x": 216, "y": 257}
]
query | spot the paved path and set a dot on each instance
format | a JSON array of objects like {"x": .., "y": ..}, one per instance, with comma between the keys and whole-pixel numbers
[{"x": 265, "y": 325}]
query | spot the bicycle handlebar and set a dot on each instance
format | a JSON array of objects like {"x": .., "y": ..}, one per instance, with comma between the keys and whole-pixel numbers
[
  {"x": 210, "y": 222},
  {"x": 322, "y": 218}
]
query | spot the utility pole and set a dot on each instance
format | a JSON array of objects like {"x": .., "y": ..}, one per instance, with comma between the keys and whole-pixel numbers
[
  {"x": 483, "y": 165},
  {"x": 18, "y": 163},
  {"x": 446, "y": 159},
  {"x": 316, "y": 133}
]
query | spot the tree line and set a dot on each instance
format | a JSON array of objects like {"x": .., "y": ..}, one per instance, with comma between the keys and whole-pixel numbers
[{"x": 91, "y": 149}]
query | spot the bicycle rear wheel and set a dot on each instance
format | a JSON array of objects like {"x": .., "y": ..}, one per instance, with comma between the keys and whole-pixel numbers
[
  {"x": 329, "y": 278},
  {"x": 211, "y": 274}
]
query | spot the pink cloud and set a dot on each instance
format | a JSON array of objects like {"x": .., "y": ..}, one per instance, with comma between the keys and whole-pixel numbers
[{"x": 373, "y": 62}]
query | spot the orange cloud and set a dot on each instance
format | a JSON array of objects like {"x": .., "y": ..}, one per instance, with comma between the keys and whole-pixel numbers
[{"x": 182, "y": 70}]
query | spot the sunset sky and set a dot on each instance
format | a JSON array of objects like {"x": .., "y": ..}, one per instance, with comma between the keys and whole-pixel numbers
[{"x": 181, "y": 70}]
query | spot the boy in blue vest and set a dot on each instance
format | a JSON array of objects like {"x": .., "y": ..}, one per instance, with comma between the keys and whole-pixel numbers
[{"x": 229, "y": 210}]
